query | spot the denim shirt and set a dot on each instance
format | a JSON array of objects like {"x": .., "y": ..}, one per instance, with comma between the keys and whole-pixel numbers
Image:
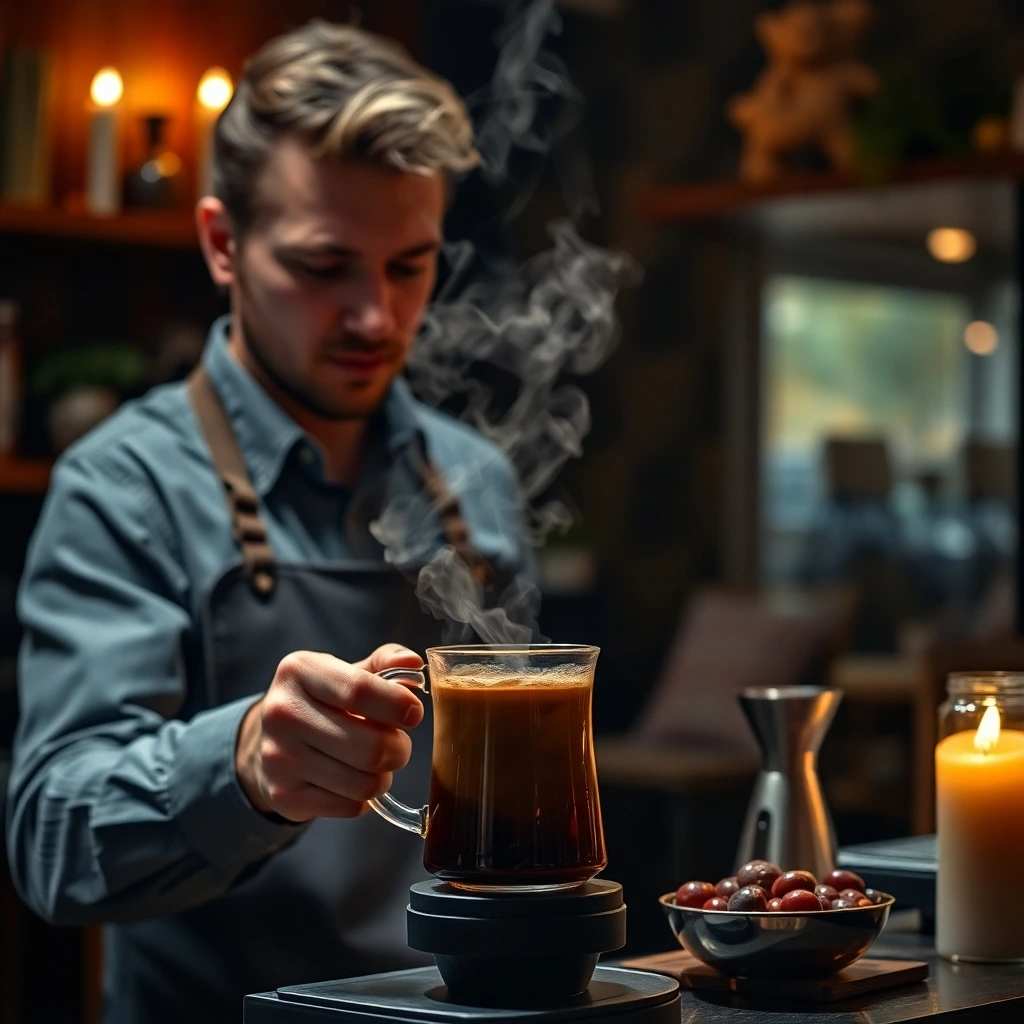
[{"x": 124, "y": 802}]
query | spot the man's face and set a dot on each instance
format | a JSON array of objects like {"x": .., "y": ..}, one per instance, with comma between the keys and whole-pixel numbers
[{"x": 332, "y": 278}]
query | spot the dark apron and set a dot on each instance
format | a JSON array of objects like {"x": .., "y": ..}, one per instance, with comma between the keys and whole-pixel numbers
[{"x": 333, "y": 903}]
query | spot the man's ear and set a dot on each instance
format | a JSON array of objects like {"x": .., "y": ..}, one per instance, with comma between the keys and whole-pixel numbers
[{"x": 217, "y": 239}]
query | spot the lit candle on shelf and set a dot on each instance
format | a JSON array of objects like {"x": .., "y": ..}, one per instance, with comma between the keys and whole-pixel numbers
[
  {"x": 212, "y": 96},
  {"x": 103, "y": 175},
  {"x": 980, "y": 804}
]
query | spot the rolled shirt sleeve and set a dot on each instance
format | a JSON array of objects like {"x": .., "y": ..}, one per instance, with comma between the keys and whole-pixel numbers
[{"x": 118, "y": 809}]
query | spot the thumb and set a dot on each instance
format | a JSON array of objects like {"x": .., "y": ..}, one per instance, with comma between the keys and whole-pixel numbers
[{"x": 391, "y": 656}]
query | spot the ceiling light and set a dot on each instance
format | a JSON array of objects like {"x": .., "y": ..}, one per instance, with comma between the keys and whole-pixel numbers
[
  {"x": 981, "y": 337},
  {"x": 952, "y": 245}
]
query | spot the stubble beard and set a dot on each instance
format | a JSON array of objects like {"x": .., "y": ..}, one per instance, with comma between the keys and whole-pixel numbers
[{"x": 293, "y": 389}]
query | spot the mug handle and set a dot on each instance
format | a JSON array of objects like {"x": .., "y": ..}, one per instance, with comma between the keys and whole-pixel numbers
[{"x": 387, "y": 806}]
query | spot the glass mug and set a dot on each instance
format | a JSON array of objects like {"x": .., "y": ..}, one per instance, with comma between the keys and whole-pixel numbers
[{"x": 513, "y": 802}]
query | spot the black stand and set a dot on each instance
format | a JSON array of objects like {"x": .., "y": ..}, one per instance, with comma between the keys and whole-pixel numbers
[{"x": 535, "y": 947}]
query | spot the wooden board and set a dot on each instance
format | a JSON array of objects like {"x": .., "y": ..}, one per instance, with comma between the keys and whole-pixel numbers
[{"x": 866, "y": 975}]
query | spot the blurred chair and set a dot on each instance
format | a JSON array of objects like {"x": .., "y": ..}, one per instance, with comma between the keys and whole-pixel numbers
[
  {"x": 691, "y": 735},
  {"x": 857, "y": 469},
  {"x": 987, "y": 518},
  {"x": 729, "y": 641},
  {"x": 857, "y": 515},
  {"x": 990, "y": 471},
  {"x": 990, "y": 490},
  {"x": 857, "y": 538}
]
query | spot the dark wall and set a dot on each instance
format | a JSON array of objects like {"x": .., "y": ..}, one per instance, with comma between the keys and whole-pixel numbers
[{"x": 656, "y": 80}]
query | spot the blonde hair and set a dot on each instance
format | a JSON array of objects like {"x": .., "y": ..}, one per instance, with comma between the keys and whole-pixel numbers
[{"x": 349, "y": 95}]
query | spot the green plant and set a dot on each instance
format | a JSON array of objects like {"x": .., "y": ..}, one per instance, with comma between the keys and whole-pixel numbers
[
  {"x": 121, "y": 368},
  {"x": 901, "y": 120}
]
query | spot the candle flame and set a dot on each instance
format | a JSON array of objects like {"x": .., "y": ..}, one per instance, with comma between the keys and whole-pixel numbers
[
  {"x": 107, "y": 87},
  {"x": 987, "y": 735},
  {"x": 215, "y": 89}
]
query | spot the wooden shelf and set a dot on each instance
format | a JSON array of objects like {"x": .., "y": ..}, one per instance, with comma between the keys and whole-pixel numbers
[
  {"x": 708, "y": 200},
  {"x": 24, "y": 476},
  {"x": 164, "y": 229}
]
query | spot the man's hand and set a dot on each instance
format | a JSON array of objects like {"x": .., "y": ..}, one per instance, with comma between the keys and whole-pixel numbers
[{"x": 327, "y": 735}]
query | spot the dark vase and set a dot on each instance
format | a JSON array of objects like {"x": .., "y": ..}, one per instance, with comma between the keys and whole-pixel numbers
[{"x": 157, "y": 182}]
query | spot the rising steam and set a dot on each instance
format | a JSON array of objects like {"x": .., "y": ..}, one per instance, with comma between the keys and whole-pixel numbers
[{"x": 555, "y": 317}]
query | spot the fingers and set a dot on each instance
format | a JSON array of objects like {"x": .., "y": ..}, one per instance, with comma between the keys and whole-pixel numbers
[
  {"x": 357, "y": 742},
  {"x": 322, "y": 768},
  {"x": 354, "y": 689},
  {"x": 343, "y": 780},
  {"x": 391, "y": 656},
  {"x": 294, "y": 724},
  {"x": 327, "y": 735}
]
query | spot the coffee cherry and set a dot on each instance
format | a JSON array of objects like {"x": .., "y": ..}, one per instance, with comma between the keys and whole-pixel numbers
[
  {"x": 758, "y": 872},
  {"x": 775, "y": 904},
  {"x": 801, "y": 900},
  {"x": 750, "y": 897},
  {"x": 851, "y": 894},
  {"x": 843, "y": 904},
  {"x": 828, "y": 892},
  {"x": 826, "y": 903},
  {"x": 716, "y": 903},
  {"x": 875, "y": 896},
  {"x": 794, "y": 880},
  {"x": 727, "y": 886},
  {"x": 840, "y": 879},
  {"x": 694, "y": 894}
]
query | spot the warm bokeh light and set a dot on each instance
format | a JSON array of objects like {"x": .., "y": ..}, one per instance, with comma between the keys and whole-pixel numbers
[
  {"x": 107, "y": 87},
  {"x": 952, "y": 245},
  {"x": 987, "y": 735},
  {"x": 981, "y": 337},
  {"x": 215, "y": 89}
]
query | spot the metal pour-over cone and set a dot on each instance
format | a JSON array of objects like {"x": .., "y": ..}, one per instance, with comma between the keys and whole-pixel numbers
[{"x": 787, "y": 821}]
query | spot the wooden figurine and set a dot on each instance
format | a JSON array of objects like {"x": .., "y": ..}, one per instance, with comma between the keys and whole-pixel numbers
[{"x": 803, "y": 97}]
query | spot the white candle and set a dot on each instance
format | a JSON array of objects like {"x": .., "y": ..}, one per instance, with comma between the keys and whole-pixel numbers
[
  {"x": 979, "y": 913},
  {"x": 212, "y": 96},
  {"x": 103, "y": 172}
]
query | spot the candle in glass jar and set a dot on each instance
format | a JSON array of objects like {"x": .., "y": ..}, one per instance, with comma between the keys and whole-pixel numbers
[
  {"x": 103, "y": 174},
  {"x": 979, "y": 777}
]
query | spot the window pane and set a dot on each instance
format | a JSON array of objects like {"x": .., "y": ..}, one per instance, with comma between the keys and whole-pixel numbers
[{"x": 847, "y": 359}]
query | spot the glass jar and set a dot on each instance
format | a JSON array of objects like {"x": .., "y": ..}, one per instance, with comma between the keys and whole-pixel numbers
[{"x": 979, "y": 788}]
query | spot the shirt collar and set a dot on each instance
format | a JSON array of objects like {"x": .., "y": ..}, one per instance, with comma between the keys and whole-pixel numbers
[
  {"x": 401, "y": 415},
  {"x": 265, "y": 433}
]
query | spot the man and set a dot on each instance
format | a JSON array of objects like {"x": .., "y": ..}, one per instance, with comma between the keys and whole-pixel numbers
[{"x": 187, "y": 771}]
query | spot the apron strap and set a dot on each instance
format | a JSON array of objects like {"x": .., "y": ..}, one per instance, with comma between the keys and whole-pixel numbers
[
  {"x": 243, "y": 503},
  {"x": 446, "y": 504}
]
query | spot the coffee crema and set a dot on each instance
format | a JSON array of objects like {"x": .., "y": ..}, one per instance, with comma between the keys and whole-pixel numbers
[{"x": 513, "y": 792}]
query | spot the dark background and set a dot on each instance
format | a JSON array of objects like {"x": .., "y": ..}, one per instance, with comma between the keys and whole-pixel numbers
[{"x": 651, "y": 487}]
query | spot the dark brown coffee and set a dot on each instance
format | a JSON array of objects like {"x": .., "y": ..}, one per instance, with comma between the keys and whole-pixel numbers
[{"x": 513, "y": 793}]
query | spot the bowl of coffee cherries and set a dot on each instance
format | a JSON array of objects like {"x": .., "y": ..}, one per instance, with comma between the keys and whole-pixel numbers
[{"x": 764, "y": 922}]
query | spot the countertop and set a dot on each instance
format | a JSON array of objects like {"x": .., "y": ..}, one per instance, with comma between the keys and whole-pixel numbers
[{"x": 974, "y": 993}]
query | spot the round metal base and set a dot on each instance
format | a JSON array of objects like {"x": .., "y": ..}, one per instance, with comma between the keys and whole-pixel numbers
[{"x": 527, "y": 947}]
